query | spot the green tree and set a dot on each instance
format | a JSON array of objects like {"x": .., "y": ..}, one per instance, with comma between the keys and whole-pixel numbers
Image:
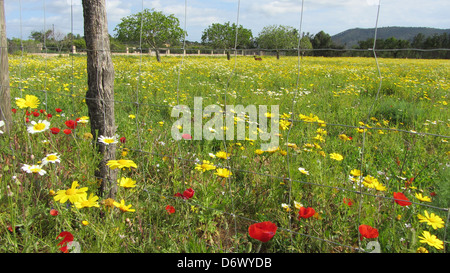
[
  {"x": 305, "y": 45},
  {"x": 223, "y": 36},
  {"x": 278, "y": 37},
  {"x": 158, "y": 29}
]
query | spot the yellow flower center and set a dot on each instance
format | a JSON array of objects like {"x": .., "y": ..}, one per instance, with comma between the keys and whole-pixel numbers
[
  {"x": 35, "y": 170},
  {"x": 71, "y": 191},
  {"x": 108, "y": 140},
  {"x": 52, "y": 157},
  {"x": 39, "y": 126}
]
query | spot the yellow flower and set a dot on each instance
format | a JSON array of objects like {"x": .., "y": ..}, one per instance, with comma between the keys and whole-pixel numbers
[
  {"x": 373, "y": 183},
  {"x": 205, "y": 166},
  {"x": 88, "y": 136},
  {"x": 121, "y": 163},
  {"x": 90, "y": 202},
  {"x": 336, "y": 156},
  {"x": 30, "y": 101},
  {"x": 310, "y": 118},
  {"x": 431, "y": 240},
  {"x": 355, "y": 172},
  {"x": 132, "y": 116},
  {"x": 422, "y": 198},
  {"x": 83, "y": 119},
  {"x": 73, "y": 194},
  {"x": 431, "y": 219},
  {"x": 85, "y": 223},
  {"x": 126, "y": 182},
  {"x": 222, "y": 155},
  {"x": 109, "y": 203},
  {"x": 344, "y": 137},
  {"x": 284, "y": 124},
  {"x": 222, "y": 172},
  {"x": 421, "y": 250},
  {"x": 123, "y": 207},
  {"x": 273, "y": 149},
  {"x": 259, "y": 151}
]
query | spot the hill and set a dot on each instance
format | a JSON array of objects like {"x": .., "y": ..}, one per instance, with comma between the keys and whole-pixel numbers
[{"x": 351, "y": 37}]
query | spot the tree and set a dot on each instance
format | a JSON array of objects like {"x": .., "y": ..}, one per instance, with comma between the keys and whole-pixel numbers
[
  {"x": 40, "y": 36},
  {"x": 278, "y": 37},
  {"x": 223, "y": 36},
  {"x": 321, "y": 40},
  {"x": 100, "y": 94},
  {"x": 158, "y": 29},
  {"x": 305, "y": 44}
]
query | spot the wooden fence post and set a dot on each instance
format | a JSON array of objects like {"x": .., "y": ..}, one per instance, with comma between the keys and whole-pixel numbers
[
  {"x": 100, "y": 94},
  {"x": 5, "y": 96}
]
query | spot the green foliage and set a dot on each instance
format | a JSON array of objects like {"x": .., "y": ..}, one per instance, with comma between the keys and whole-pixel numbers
[
  {"x": 223, "y": 36},
  {"x": 153, "y": 27}
]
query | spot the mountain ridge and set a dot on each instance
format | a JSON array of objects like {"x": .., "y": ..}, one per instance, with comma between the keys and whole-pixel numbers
[{"x": 350, "y": 37}]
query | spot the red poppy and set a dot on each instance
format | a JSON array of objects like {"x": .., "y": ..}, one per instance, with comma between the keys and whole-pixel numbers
[
  {"x": 27, "y": 113},
  {"x": 368, "y": 232},
  {"x": 49, "y": 115},
  {"x": 67, "y": 237},
  {"x": 67, "y": 131},
  {"x": 170, "y": 209},
  {"x": 54, "y": 130},
  {"x": 36, "y": 114},
  {"x": 71, "y": 124},
  {"x": 42, "y": 111},
  {"x": 58, "y": 110},
  {"x": 401, "y": 199},
  {"x": 306, "y": 212},
  {"x": 123, "y": 139},
  {"x": 27, "y": 120},
  {"x": 348, "y": 201},
  {"x": 186, "y": 136},
  {"x": 263, "y": 231},
  {"x": 186, "y": 194},
  {"x": 14, "y": 110},
  {"x": 54, "y": 212},
  {"x": 432, "y": 194}
]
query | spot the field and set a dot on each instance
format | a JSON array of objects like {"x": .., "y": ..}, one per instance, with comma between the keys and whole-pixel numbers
[{"x": 347, "y": 146}]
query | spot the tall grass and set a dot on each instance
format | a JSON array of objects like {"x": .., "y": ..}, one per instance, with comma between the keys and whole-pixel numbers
[{"x": 338, "y": 91}]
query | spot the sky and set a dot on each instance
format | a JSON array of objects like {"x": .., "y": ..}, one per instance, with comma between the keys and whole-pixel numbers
[{"x": 331, "y": 16}]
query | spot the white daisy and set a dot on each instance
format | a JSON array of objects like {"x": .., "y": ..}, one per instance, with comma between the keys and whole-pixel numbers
[
  {"x": 108, "y": 140},
  {"x": 51, "y": 158},
  {"x": 303, "y": 171},
  {"x": 33, "y": 169},
  {"x": 2, "y": 123},
  {"x": 37, "y": 127}
]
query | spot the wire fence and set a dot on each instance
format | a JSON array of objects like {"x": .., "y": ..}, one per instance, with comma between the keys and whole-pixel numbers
[{"x": 181, "y": 155}]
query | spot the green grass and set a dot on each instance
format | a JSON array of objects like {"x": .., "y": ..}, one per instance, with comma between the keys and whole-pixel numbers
[{"x": 339, "y": 91}]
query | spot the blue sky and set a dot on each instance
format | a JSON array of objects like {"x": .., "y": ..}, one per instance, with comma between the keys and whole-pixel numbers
[{"x": 331, "y": 16}]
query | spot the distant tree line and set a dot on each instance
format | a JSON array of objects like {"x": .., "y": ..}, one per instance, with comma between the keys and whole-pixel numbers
[
  {"x": 164, "y": 31},
  {"x": 420, "y": 46}
]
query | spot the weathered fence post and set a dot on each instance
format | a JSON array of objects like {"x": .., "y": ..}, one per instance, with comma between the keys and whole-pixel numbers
[
  {"x": 5, "y": 96},
  {"x": 100, "y": 94}
]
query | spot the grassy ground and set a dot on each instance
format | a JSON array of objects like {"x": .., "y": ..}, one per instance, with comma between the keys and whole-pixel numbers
[{"x": 382, "y": 137}]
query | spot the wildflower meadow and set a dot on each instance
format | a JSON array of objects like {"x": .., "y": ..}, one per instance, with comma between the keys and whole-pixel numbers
[{"x": 361, "y": 165}]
